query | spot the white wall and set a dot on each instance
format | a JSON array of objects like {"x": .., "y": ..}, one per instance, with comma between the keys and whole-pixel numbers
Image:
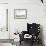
[
  {"x": 35, "y": 13},
  {"x": 3, "y": 1}
]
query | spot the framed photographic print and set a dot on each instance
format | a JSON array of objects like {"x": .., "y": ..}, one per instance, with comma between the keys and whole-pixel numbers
[
  {"x": 20, "y": 13},
  {"x": 4, "y": 20},
  {"x": 3, "y": 17}
]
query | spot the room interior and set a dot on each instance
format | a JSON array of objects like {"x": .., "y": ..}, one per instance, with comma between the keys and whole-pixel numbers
[{"x": 16, "y": 15}]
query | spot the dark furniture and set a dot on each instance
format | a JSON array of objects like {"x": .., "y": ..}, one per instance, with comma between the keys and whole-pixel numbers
[{"x": 33, "y": 30}]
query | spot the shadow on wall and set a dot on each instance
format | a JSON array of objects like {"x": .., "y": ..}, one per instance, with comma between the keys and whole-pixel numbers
[{"x": 41, "y": 34}]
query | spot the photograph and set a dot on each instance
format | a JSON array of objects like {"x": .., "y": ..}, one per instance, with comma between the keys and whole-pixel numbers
[{"x": 20, "y": 13}]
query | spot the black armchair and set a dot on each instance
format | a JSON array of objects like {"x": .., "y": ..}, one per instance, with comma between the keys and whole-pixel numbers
[{"x": 33, "y": 30}]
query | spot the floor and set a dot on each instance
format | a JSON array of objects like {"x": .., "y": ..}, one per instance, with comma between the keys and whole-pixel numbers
[
  {"x": 22, "y": 44},
  {"x": 26, "y": 44},
  {"x": 5, "y": 44}
]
